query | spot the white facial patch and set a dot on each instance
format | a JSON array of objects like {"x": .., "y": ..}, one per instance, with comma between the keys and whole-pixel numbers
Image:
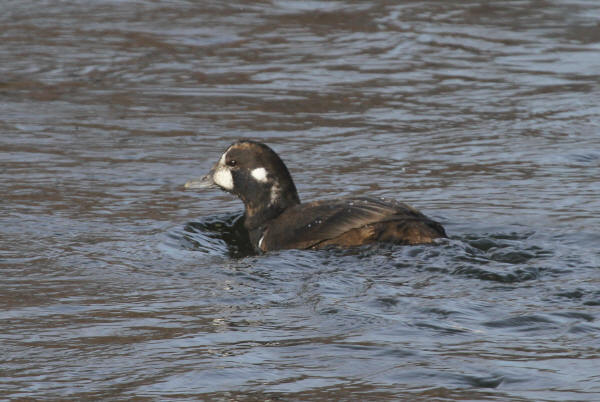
[
  {"x": 259, "y": 174},
  {"x": 222, "y": 176}
]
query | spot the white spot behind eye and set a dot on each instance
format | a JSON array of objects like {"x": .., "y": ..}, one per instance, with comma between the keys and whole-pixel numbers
[{"x": 260, "y": 174}]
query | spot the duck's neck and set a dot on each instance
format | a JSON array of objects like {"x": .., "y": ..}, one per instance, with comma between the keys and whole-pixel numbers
[{"x": 267, "y": 205}]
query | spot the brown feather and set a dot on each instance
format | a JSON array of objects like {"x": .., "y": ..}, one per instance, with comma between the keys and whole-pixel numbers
[{"x": 349, "y": 222}]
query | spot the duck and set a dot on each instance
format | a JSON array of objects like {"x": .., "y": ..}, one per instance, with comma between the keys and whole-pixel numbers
[{"x": 276, "y": 219}]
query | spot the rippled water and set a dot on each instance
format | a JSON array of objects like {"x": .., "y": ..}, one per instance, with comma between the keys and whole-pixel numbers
[{"x": 117, "y": 283}]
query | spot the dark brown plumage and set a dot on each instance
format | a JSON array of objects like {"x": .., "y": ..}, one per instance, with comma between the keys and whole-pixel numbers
[
  {"x": 350, "y": 222},
  {"x": 276, "y": 219}
]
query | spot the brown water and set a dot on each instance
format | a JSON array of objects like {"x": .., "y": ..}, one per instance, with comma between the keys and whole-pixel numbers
[{"x": 116, "y": 283}]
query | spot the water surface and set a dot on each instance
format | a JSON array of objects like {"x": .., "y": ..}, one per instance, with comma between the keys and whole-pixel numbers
[{"x": 117, "y": 283}]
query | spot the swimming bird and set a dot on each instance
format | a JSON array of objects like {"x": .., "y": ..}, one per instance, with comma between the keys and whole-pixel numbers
[{"x": 276, "y": 219}]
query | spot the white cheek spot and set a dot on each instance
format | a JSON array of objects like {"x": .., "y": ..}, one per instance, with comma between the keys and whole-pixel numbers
[
  {"x": 223, "y": 178},
  {"x": 260, "y": 174}
]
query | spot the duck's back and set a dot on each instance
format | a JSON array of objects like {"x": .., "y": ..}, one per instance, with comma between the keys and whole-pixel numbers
[{"x": 349, "y": 222}]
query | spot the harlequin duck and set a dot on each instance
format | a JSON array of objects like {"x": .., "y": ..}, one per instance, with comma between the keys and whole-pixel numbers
[{"x": 276, "y": 219}]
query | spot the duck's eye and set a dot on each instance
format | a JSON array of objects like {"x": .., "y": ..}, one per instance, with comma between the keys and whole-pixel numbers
[{"x": 231, "y": 162}]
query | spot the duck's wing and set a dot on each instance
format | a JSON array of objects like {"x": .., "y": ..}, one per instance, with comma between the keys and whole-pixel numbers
[{"x": 349, "y": 221}]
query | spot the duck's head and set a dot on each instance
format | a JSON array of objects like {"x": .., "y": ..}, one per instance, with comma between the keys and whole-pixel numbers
[{"x": 255, "y": 173}]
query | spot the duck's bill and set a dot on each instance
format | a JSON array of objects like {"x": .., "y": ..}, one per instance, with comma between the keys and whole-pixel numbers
[{"x": 204, "y": 182}]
